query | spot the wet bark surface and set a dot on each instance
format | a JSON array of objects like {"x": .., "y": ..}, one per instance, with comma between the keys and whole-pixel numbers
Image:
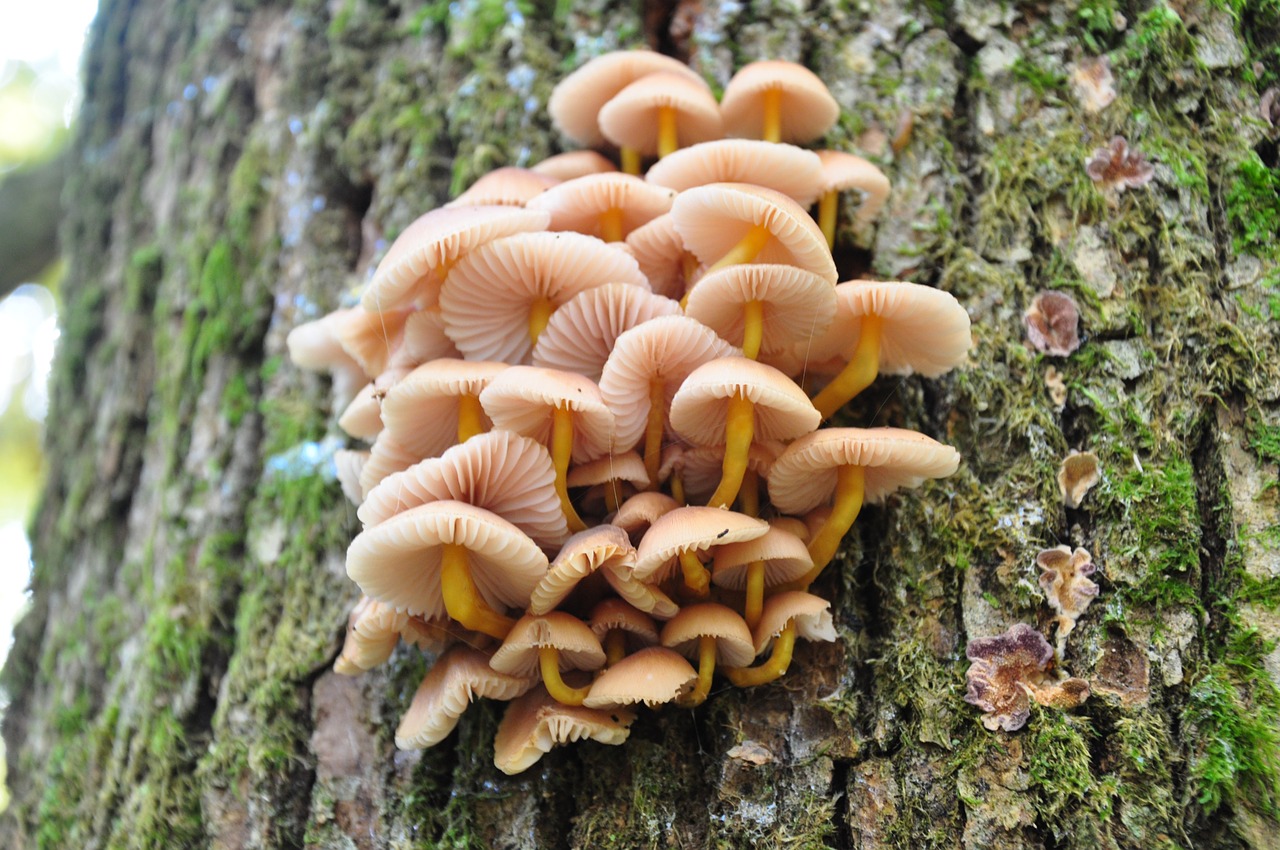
[{"x": 238, "y": 170}]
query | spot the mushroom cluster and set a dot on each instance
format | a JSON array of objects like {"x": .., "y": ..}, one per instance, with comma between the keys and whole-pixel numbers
[{"x": 590, "y": 463}]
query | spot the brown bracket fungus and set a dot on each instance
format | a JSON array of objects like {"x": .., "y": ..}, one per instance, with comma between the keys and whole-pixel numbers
[
  {"x": 1053, "y": 323},
  {"x": 1077, "y": 475},
  {"x": 1117, "y": 167},
  {"x": 1064, "y": 577},
  {"x": 1009, "y": 670}
]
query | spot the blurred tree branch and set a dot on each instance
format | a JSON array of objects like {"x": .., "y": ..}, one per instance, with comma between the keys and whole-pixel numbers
[{"x": 30, "y": 209}]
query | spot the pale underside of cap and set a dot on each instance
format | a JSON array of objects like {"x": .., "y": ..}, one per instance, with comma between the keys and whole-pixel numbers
[
  {"x": 812, "y": 616},
  {"x": 690, "y": 529},
  {"x": 797, "y": 306},
  {"x": 702, "y": 467},
  {"x": 631, "y": 117},
  {"x": 314, "y": 346},
  {"x": 642, "y": 510},
  {"x": 613, "y": 614},
  {"x": 793, "y": 171},
  {"x": 582, "y": 333},
  {"x": 577, "y": 205},
  {"x": 363, "y": 417},
  {"x": 371, "y": 338},
  {"x": 386, "y": 457},
  {"x": 654, "y": 676},
  {"x": 423, "y": 340},
  {"x": 660, "y": 253},
  {"x": 576, "y": 646},
  {"x": 535, "y": 723},
  {"x": 808, "y": 109},
  {"x": 734, "y": 646},
  {"x": 571, "y": 164},
  {"x": 523, "y": 399},
  {"x": 421, "y": 411},
  {"x": 373, "y": 630},
  {"x": 785, "y": 558},
  {"x": 348, "y": 465},
  {"x": 622, "y": 467},
  {"x": 602, "y": 547},
  {"x": 459, "y": 676},
  {"x": 699, "y": 410}
]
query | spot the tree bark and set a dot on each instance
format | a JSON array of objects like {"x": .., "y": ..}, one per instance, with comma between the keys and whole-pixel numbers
[{"x": 238, "y": 168}]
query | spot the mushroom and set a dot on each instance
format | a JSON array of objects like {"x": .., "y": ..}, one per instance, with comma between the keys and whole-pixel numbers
[
  {"x": 657, "y": 112},
  {"x": 437, "y": 405},
  {"x": 581, "y": 334},
  {"x": 460, "y": 675},
  {"x": 772, "y": 560},
  {"x": 622, "y": 628},
  {"x": 1064, "y": 577},
  {"x": 778, "y": 101},
  {"x": 793, "y": 171},
  {"x": 765, "y": 309},
  {"x": 642, "y": 510},
  {"x": 385, "y": 458},
  {"x": 843, "y": 171},
  {"x": 373, "y": 630},
  {"x": 662, "y": 257},
  {"x": 504, "y": 187},
  {"x": 535, "y": 722},
  {"x": 711, "y": 633},
  {"x": 371, "y": 338},
  {"x": 1077, "y": 475},
  {"x": 1011, "y": 669},
  {"x": 699, "y": 470},
  {"x": 362, "y": 418},
  {"x": 423, "y": 340},
  {"x": 612, "y": 478},
  {"x": 546, "y": 643},
  {"x": 786, "y": 616},
  {"x": 607, "y": 206},
  {"x": 566, "y": 166},
  {"x": 347, "y": 466},
  {"x": 654, "y": 676},
  {"x": 680, "y": 536},
  {"x": 602, "y": 548}
]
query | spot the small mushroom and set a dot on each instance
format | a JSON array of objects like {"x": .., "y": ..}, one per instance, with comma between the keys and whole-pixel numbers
[
  {"x": 764, "y": 308},
  {"x": 1053, "y": 323},
  {"x": 654, "y": 676},
  {"x": 1117, "y": 167},
  {"x": 547, "y": 643},
  {"x": 535, "y": 722},
  {"x": 713, "y": 634},
  {"x": 459, "y": 676},
  {"x": 1009, "y": 670},
  {"x": 753, "y": 565},
  {"x": 566, "y": 166},
  {"x": 778, "y": 101},
  {"x": 659, "y": 112},
  {"x": 786, "y": 616},
  {"x": 504, "y": 187},
  {"x": 841, "y": 172},
  {"x": 793, "y": 171},
  {"x": 437, "y": 405},
  {"x": 678, "y": 538},
  {"x": 607, "y": 206},
  {"x": 622, "y": 629},
  {"x": 1077, "y": 476},
  {"x": 581, "y": 335},
  {"x": 1064, "y": 577}
]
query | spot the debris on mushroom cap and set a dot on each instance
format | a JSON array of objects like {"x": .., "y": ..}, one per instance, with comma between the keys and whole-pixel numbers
[
  {"x": 1118, "y": 167},
  {"x": 1053, "y": 323},
  {"x": 504, "y": 187},
  {"x": 784, "y": 555},
  {"x": 630, "y": 118},
  {"x": 363, "y": 416},
  {"x": 460, "y": 675},
  {"x": 566, "y": 166},
  {"x": 1077, "y": 476},
  {"x": 1064, "y": 577},
  {"x": 1093, "y": 83},
  {"x": 653, "y": 676},
  {"x": 535, "y": 723},
  {"x": 581, "y": 335},
  {"x": 793, "y": 171},
  {"x": 808, "y": 109},
  {"x": 1010, "y": 670}
]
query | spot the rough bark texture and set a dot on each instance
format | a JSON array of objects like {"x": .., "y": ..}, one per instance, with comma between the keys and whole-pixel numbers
[{"x": 237, "y": 169}]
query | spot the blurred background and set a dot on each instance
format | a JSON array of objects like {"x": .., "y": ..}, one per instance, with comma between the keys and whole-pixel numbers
[{"x": 40, "y": 46}]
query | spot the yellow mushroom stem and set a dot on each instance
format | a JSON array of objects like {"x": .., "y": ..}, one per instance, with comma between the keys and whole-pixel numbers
[
  {"x": 461, "y": 598},
  {"x": 850, "y": 487},
  {"x": 706, "y": 671},
  {"x": 615, "y": 646},
  {"x": 677, "y": 487},
  {"x": 696, "y": 577},
  {"x": 773, "y": 115},
  {"x": 754, "y": 604},
  {"x": 539, "y": 314},
  {"x": 739, "y": 430},
  {"x": 611, "y": 225},
  {"x": 668, "y": 138},
  {"x": 749, "y": 495},
  {"x": 470, "y": 417},
  {"x": 747, "y": 249},
  {"x": 561, "y": 452},
  {"x": 783, "y": 646},
  {"x": 631, "y": 161},
  {"x": 828, "y": 207},
  {"x": 613, "y": 494},
  {"x": 857, "y": 375},
  {"x": 549, "y": 661},
  {"x": 752, "y": 329},
  {"x": 653, "y": 430},
  {"x": 689, "y": 266}
]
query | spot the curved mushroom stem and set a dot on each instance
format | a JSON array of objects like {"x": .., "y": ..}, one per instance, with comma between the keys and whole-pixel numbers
[
  {"x": 677, "y": 487},
  {"x": 461, "y": 598},
  {"x": 747, "y": 249},
  {"x": 752, "y": 329},
  {"x": 706, "y": 671},
  {"x": 549, "y": 661},
  {"x": 539, "y": 314},
  {"x": 611, "y": 225},
  {"x": 696, "y": 577},
  {"x": 613, "y": 495},
  {"x": 749, "y": 494},
  {"x": 739, "y": 429},
  {"x": 773, "y": 115},
  {"x": 850, "y": 486},
  {"x": 754, "y": 604},
  {"x": 561, "y": 452},
  {"x": 828, "y": 207},
  {"x": 783, "y": 646},
  {"x": 470, "y": 417},
  {"x": 615, "y": 646},
  {"x": 653, "y": 431},
  {"x": 857, "y": 375},
  {"x": 668, "y": 138},
  {"x": 631, "y": 161}
]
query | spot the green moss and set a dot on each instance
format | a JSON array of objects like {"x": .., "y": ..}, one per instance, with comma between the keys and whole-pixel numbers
[
  {"x": 1042, "y": 80},
  {"x": 1060, "y": 767},
  {"x": 1097, "y": 22},
  {"x": 1253, "y": 207}
]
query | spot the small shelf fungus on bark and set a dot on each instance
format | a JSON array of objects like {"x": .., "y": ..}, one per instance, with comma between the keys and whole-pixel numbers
[{"x": 1008, "y": 671}]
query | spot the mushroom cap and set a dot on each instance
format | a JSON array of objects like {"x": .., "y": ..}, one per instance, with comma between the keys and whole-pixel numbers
[
  {"x": 625, "y": 466},
  {"x": 665, "y": 349},
  {"x": 504, "y": 187},
  {"x": 601, "y": 547},
  {"x": 841, "y": 171},
  {"x": 460, "y": 675},
  {"x": 793, "y": 171},
  {"x": 797, "y": 305},
  {"x": 523, "y": 399},
  {"x": 702, "y": 467},
  {"x": 314, "y": 346},
  {"x": 617, "y": 614},
  {"x": 785, "y": 558},
  {"x": 571, "y": 164},
  {"x": 923, "y": 330},
  {"x": 699, "y": 409},
  {"x": 371, "y": 338},
  {"x": 581, "y": 334},
  {"x": 734, "y": 646},
  {"x": 577, "y": 204},
  {"x": 421, "y": 411},
  {"x": 502, "y": 472},
  {"x": 398, "y": 561},
  {"x": 488, "y": 295},
  {"x": 630, "y": 118},
  {"x": 535, "y": 723},
  {"x": 642, "y": 510},
  {"x": 412, "y": 268},
  {"x": 714, "y": 218},
  {"x": 691, "y": 529},
  {"x": 654, "y": 675},
  {"x": 792, "y": 525},
  {"x": 363, "y": 417},
  {"x": 804, "y": 476},
  {"x": 386, "y": 457},
  {"x": 812, "y": 616},
  {"x": 577, "y": 647},
  {"x": 423, "y": 340},
  {"x": 808, "y": 109},
  {"x": 348, "y": 465},
  {"x": 373, "y": 630},
  {"x": 660, "y": 252},
  {"x": 576, "y": 101}
]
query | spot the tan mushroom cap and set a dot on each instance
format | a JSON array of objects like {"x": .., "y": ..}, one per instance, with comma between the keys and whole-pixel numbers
[
  {"x": 348, "y": 465},
  {"x": 566, "y": 166},
  {"x": 577, "y": 204},
  {"x": 794, "y": 526},
  {"x": 414, "y": 265},
  {"x": 363, "y": 417},
  {"x": 371, "y": 338},
  {"x": 923, "y": 330},
  {"x": 504, "y": 187},
  {"x": 714, "y": 218},
  {"x": 535, "y": 723},
  {"x": 808, "y": 109},
  {"x": 601, "y": 548},
  {"x": 804, "y": 476},
  {"x": 691, "y": 529},
  {"x": 502, "y": 472},
  {"x": 373, "y": 630},
  {"x": 576, "y": 101},
  {"x": 785, "y": 558},
  {"x": 797, "y": 305},
  {"x": 642, "y": 510},
  {"x": 577, "y": 647},
  {"x": 639, "y": 627},
  {"x": 581, "y": 334},
  {"x": 660, "y": 253},
  {"x": 489, "y": 294},
  {"x": 423, "y": 340},
  {"x": 630, "y": 118},
  {"x": 460, "y": 675},
  {"x": 793, "y": 171},
  {"x": 421, "y": 411},
  {"x": 665, "y": 349},
  {"x": 812, "y": 616},
  {"x": 386, "y": 457},
  {"x": 314, "y": 346},
  {"x": 782, "y": 410},
  {"x": 841, "y": 171},
  {"x": 734, "y": 646},
  {"x": 523, "y": 399},
  {"x": 625, "y": 466},
  {"x": 398, "y": 561},
  {"x": 654, "y": 676},
  {"x": 703, "y": 466}
]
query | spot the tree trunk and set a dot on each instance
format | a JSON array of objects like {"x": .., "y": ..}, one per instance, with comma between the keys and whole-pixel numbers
[{"x": 238, "y": 168}]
